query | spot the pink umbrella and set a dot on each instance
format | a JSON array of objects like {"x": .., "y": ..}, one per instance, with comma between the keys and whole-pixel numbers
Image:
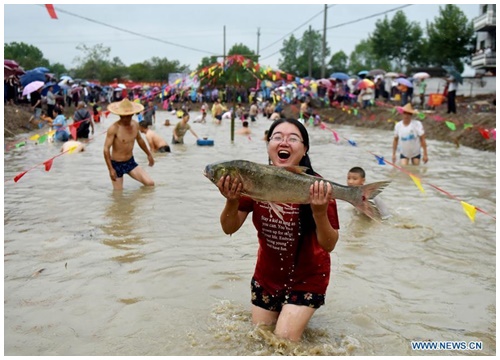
[
  {"x": 325, "y": 82},
  {"x": 32, "y": 86},
  {"x": 137, "y": 87}
]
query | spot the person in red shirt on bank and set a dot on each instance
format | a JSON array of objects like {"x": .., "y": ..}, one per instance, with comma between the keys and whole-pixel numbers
[{"x": 293, "y": 262}]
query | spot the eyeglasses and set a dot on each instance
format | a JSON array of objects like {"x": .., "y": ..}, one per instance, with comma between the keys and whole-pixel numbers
[{"x": 291, "y": 139}]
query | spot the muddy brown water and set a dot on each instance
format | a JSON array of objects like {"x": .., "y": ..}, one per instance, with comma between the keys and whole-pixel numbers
[{"x": 148, "y": 271}]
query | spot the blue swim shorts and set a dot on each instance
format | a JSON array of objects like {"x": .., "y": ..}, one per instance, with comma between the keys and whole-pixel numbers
[{"x": 124, "y": 167}]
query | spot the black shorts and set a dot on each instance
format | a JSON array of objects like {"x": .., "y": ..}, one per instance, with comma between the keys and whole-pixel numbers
[
  {"x": 164, "y": 149},
  {"x": 275, "y": 302},
  {"x": 401, "y": 156},
  {"x": 124, "y": 167}
]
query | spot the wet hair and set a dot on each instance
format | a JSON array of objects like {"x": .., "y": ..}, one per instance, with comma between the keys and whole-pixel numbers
[
  {"x": 306, "y": 220},
  {"x": 358, "y": 170},
  {"x": 58, "y": 110},
  {"x": 143, "y": 124},
  {"x": 245, "y": 123}
]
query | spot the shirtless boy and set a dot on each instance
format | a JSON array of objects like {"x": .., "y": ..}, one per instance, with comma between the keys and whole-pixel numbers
[
  {"x": 155, "y": 141},
  {"x": 121, "y": 137}
]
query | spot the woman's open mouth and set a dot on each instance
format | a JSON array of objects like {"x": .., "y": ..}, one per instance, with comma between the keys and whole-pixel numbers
[{"x": 282, "y": 154}]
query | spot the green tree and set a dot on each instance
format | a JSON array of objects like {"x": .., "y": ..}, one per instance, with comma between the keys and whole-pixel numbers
[
  {"x": 161, "y": 67},
  {"x": 140, "y": 71},
  {"x": 303, "y": 57},
  {"x": 290, "y": 53},
  {"x": 94, "y": 63},
  {"x": 363, "y": 58},
  {"x": 57, "y": 69},
  {"x": 397, "y": 40},
  {"x": 27, "y": 56},
  {"x": 338, "y": 62},
  {"x": 450, "y": 36}
]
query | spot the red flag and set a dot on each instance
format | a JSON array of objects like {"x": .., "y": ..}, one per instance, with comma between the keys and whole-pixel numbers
[
  {"x": 72, "y": 130},
  {"x": 485, "y": 133},
  {"x": 289, "y": 77},
  {"x": 48, "y": 164},
  {"x": 106, "y": 113},
  {"x": 52, "y": 11},
  {"x": 165, "y": 104},
  {"x": 18, "y": 176}
]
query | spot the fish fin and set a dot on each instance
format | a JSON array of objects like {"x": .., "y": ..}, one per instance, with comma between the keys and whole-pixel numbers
[
  {"x": 366, "y": 204},
  {"x": 297, "y": 169},
  {"x": 277, "y": 209}
]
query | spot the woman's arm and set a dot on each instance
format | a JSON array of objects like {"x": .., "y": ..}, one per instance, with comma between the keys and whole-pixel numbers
[{"x": 231, "y": 218}]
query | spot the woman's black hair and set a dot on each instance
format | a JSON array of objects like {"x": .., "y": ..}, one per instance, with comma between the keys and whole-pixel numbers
[{"x": 306, "y": 219}]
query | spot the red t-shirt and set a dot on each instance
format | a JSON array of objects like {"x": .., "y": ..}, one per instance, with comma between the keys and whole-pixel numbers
[{"x": 284, "y": 262}]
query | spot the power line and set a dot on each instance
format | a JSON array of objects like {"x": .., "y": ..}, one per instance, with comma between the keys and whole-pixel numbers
[
  {"x": 339, "y": 25},
  {"x": 132, "y": 32},
  {"x": 291, "y": 32},
  {"x": 368, "y": 17}
]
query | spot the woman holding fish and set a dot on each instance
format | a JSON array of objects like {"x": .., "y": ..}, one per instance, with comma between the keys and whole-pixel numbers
[{"x": 293, "y": 265}]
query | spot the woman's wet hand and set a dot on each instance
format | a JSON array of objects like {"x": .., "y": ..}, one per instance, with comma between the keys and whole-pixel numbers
[
  {"x": 320, "y": 194},
  {"x": 231, "y": 190}
]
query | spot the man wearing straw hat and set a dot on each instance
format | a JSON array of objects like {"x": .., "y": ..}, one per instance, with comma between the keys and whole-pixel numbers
[
  {"x": 121, "y": 137},
  {"x": 412, "y": 136}
]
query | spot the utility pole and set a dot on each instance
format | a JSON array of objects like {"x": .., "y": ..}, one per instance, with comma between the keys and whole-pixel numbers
[
  {"x": 310, "y": 52},
  {"x": 224, "y": 49},
  {"x": 324, "y": 45},
  {"x": 258, "y": 39}
]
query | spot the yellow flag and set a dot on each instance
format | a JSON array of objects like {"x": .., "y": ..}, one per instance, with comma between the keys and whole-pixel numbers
[
  {"x": 469, "y": 210},
  {"x": 35, "y": 137},
  {"x": 51, "y": 132},
  {"x": 71, "y": 149},
  {"x": 417, "y": 182}
]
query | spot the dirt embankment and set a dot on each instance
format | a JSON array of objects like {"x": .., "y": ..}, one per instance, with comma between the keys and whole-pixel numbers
[{"x": 474, "y": 119}]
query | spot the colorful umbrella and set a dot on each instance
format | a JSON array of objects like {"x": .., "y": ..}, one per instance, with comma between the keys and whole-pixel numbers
[
  {"x": 339, "y": 76},
  {"x": 403, "y": 81},
  {"x": 421, "y": 75},
  {"x": 32, "y": 86},
  {"x": 365, "y": 83}
]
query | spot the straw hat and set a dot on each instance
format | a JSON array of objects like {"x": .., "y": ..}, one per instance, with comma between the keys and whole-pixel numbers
[
  {"x": 408, "y": 109},
  {"x": 125, "y": 107}
]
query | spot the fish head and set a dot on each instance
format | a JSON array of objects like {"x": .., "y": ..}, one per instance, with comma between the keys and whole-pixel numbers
[{"x": 215, "y": 171}]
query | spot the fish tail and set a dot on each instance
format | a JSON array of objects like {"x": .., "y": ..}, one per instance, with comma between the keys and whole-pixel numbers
[{"x": 365, "y": 202}]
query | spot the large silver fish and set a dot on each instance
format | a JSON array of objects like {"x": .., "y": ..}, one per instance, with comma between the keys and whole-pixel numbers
[{"x": 275, "y": 184}]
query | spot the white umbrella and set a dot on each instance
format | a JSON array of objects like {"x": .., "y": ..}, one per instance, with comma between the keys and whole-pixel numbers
[
  {"x": 121, "y": 86},
  {"x": 421, "y": 75}
]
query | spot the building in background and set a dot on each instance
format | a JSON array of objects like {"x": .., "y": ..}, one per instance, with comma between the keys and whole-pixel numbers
[{"x": 484, "y": 58}]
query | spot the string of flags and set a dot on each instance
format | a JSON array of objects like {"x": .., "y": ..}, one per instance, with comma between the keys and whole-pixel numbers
[{"x": 470, "y": 210}]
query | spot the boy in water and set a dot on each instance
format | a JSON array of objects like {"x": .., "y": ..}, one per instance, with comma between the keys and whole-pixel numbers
[
  {"x": 356, "y": 177},
  {"x": 155, "y": 141}
]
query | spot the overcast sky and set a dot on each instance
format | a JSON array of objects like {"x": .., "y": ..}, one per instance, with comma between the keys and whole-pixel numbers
[{"x": 187, "y": 33}]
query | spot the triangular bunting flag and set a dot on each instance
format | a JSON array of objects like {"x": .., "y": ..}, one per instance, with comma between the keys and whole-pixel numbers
[
  {"x": 417, "y": 182},
  {"x": 451, "y": 125},
  {"x": 34, "y": 137},
  {"x": 52, "y": 11},
  {"x": 72, "y": 130},
  {"x": 22, "y": 143},
  {"x": 336, "y": 136},
  {"x": 380, "y": 160},
  {"x": 48, "y": 164},
  {"x": 469, "y": 210},
  {"x": 485, "y": 133},
  {"x": 72, "y": 149},
  {"x": 43, "y": 138},
  {"x": 352, "y": 142},
  {"x": 18, "y": 176}
]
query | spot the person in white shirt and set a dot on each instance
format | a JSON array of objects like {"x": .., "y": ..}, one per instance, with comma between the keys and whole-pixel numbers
[{"x": 412, "y": 136}]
